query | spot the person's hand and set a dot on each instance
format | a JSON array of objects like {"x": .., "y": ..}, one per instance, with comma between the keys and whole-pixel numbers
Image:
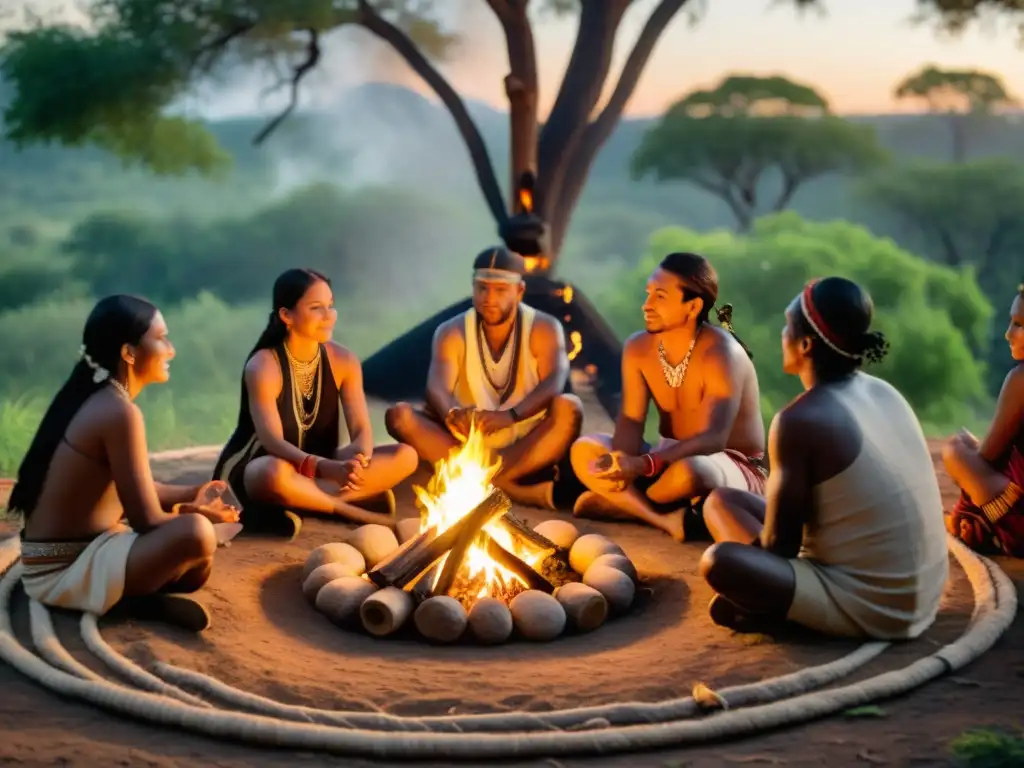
[
  {"x": 459, "y": 421},
  {"x": 216, "y": 511},
  {"x": 348, "y": 473},
  {"x": 494, "y": 421},
  {"x": 964, "y": 436},
  {"x": 212, "y": 491},
  {"x": 617, "y": 469}
]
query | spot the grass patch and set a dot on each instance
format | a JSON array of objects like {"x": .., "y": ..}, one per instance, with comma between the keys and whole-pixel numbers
[{"x": 988, "y": 748}]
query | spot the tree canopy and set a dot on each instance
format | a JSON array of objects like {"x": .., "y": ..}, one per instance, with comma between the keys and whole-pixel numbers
[
  {"x": 729, "y": 139},
  {"x": 970, "y": 214},
  {"x": 968, "y": 97},
  {"x": 113, "y": 77}
]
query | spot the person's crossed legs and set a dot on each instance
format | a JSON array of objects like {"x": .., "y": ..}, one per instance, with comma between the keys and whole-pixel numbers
[
  {"x": 754, "y": 589},
  {"x": 543, "y": 447},
  {"x": 681, "y": 481}
]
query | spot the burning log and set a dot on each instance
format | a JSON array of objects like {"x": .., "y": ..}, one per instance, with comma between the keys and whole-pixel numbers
[
  {"x": 469, "y": 527},
  {"x": 509, "y": 561},
  {"x": 411, "y": 559},
  {"x": 525, "y": 536}
]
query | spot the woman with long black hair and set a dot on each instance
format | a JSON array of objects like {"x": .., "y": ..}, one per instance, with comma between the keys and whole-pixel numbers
[
  {"x": 87, "y": 468},
  {"x": 284, "y": 454}
]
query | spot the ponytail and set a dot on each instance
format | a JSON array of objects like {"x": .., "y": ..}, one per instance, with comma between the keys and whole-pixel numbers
[
  {"x": 724, "y": 315},
  {"x": 272, "y": 336}
]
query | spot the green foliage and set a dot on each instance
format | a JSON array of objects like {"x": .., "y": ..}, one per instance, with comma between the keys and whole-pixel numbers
[
  {"x": 926, "y": 310},
  {"x": 985, "y": 748},
  {"x": 747, "y": 95},
  {"x": 111, "y": 82},
  {"x": 955, "y": 16},
  {"x": 729, "y": 157},
  {"x": 969, "y": 213},
  {"x": 955, "y": 90},
  {"x": 351, "y": 236}
]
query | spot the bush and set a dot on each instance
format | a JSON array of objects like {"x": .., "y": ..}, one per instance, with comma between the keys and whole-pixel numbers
[{"x": 933, "y": 315}]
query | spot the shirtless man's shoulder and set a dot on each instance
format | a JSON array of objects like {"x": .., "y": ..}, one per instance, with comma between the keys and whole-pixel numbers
[{"x": 449, "y": 336}]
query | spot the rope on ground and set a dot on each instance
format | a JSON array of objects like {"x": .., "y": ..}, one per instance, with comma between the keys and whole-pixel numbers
[
  {"x": 44, "y": 638},
  {"x": 126, "y": 668},
  {"x": 993, "y": 590}
]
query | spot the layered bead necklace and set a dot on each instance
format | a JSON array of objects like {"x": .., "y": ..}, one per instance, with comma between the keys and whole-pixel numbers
[{"x": 307, "y": 377}]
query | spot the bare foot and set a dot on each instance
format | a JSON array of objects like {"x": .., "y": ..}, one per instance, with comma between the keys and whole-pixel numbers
[
  {"x": 540, "y": 495},
  {"x": 594, "y": 506},
  {"x": 674, "y": 525}
]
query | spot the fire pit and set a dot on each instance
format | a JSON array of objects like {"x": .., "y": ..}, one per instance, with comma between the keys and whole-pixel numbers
[{"x": 469, "y": 566}]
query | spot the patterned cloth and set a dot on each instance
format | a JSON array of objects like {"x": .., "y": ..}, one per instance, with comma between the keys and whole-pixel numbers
[{"x": 998, "y": 526}]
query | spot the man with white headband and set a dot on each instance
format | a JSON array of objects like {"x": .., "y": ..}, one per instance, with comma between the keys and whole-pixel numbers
[{"x": 502, "y": 366}]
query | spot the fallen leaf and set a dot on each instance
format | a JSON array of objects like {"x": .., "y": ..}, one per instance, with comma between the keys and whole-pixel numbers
[
  {"x": 707, "y": 698},
  {"x": 771, "y": 759},
  {"x": 965, "y": 681},
  {"x": 867, "y": 757},
  {"x": 869, "y": 711}
]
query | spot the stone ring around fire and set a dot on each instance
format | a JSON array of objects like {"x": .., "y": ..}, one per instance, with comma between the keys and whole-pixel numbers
[{"x": 486, "y": 576}]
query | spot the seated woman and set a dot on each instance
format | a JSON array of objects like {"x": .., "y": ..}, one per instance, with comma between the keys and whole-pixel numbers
[
  {"x": 989, "y": 515},
  {"x": 850, "y": 539},
  {"x": 284, "y": 453},
  {"x": 87, "y": 467}
]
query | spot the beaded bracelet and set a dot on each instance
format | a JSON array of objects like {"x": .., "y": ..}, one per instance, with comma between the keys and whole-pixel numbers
[
  {"x": 307, "y": 467},
  {"x": 654, "y": 464}
]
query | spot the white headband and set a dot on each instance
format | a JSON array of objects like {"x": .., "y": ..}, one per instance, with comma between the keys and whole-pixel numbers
[{"x": 497, "y": 276}]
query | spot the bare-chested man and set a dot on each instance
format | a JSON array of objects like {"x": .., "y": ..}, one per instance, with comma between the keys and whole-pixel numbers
[
  {"x": 503, "y": 365},
  {"x": 704, "y": 386}
]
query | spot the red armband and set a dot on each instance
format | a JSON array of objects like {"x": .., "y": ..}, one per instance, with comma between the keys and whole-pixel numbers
[
  {"x": 307, "y": 467},
  {"x": 653, "y": 465}
]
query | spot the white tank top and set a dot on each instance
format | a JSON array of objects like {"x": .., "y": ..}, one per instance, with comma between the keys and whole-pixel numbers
[
  {"x": 878, "y": 528},
  {"x": 473, "y": 389}
]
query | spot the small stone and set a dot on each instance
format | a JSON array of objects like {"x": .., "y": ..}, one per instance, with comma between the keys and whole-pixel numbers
[
  {"x": 619, "y": 563},
  {"x": 375, "y": 542},
  {"x": 561, "y": 533},
  {"x": 618, "y": 589},
  {"x": 323, "y": 576},
  {"x": 441, "y": 619},
  {"x": 336, "y": 552},
  {"x": 585, "y": 607},
  {"x": 587, "y": 548},
  {"x": 490, "y": 620},
  {"x": 537, "y": 615},
  {"x": 407, "y": 529},
  {"x": 341, "y": 599}
]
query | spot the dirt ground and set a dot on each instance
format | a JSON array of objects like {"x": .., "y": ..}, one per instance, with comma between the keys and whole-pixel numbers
[{"x": 266, "y": 639}]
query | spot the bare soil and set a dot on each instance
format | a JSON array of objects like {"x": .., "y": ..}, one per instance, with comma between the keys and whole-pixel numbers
[{"x": 266, "y": 639}]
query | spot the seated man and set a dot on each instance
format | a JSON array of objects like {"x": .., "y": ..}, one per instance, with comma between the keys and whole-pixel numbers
[
  {"x": 98, "y": 531},
  {"x": 849, "y": 541},
  {"x": 989, "y": 516},
  {"x": 297, "y": 386},
  {"x": 710, "y": 419},
  {"x": 503, "y": 365}
]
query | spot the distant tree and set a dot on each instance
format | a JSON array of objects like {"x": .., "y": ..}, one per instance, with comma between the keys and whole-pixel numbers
[
  {"x": 111, "y": 78},
  {"x": 967, "y": 99},
  {"x": 728, "y": 139},
  {"x": 967, "y": 215}
]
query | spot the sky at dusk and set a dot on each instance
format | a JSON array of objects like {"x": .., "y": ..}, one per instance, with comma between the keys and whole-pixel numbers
[{"x": 855, "y": 54}]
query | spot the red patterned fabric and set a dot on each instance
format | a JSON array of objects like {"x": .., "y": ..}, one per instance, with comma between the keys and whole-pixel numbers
[
  {"x": 968, "y": 522},
  {"x": 753, "y": 472}
]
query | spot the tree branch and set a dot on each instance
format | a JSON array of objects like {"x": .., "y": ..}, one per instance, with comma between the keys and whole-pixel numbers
[
  {"x": 521, "y": 89},
  {"x": 581, "y": 88},
  {"x": 407, "y": 49},
  {"x": 311, "y": 60},
  {"x": 577, "y": 166},
  {"x": 216, "y": 46}
]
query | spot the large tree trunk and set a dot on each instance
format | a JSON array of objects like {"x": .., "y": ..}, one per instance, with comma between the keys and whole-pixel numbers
[{"x": 559, "y": 157}]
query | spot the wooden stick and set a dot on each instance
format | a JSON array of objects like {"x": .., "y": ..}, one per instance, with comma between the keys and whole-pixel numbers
[
  {"x": 409, "y": 560},
  {"x": 509, "y": 561},
  {"x": 525, "y": 535},
  {"x": 498, "y": 503}
]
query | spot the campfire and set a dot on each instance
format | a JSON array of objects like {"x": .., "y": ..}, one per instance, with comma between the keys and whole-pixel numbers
[{"x": 470, "y": 562}]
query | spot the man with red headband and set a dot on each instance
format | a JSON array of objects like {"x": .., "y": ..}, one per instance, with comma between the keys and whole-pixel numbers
[
  {"x": 850, "y": 540},
  {"x": 704, "y": 386},
  {"x": 503, "y": 367}
]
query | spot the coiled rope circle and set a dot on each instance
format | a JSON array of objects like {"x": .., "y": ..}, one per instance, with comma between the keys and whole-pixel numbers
[{"x": 613, "y": 728}]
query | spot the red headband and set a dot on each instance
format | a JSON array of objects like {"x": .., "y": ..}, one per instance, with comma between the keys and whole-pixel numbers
[{"x": 818, "y": 324}]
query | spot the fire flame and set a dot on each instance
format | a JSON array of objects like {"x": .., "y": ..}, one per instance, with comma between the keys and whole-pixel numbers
[
  {"x": 577, "y": 344},
  {"x": 526, "y": 199},
  {"x": 567, "y": 294},
  {"x": 460, "y": 483},
  {"x": 534, "y": 263}
]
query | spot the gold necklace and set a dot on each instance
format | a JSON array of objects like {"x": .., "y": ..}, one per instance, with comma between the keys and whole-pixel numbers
[
  {"x": 674, "y": 374},
  {"x": 120, "y": 388},
  {"x": 307, "y": 378},
  {"x": 304, "y": 372}
]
